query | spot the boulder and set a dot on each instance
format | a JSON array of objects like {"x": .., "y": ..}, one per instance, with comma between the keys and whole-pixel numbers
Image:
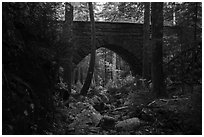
[
  {"x": 98, "y": 103},
  {"x": 107, "y": 122},
  {"x": 128, "y": 124},
  {"x": 84, "y": 116}
]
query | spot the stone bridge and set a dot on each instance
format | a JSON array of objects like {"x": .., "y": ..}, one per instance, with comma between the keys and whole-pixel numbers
[{"x": 125, "y": 39}]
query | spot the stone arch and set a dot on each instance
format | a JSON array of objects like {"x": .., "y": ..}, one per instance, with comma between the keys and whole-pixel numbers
[
  {"x": 125, "y": 39},
  {"x": 134, "y": 63}
]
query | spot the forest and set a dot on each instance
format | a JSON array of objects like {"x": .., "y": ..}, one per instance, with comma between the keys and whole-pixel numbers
[{"x": 101, "y": 68}]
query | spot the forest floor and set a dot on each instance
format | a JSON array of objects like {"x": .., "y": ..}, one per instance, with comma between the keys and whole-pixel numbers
[{"x": 129, "y": 111}]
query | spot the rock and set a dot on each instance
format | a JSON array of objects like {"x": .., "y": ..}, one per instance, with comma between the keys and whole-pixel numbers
[
  {"x": 128, "y": 124},
  {"x": 73, "y": 91},
  {"x": 84, "y": 116},
  {"x": 95, "y": 100},
  {"x": 147, "y": 115},
  {"x": 107, "y": 122},
  {"x": 98, "y": 103},
  {"x": 94, "y": 130},
  {"x": 99, "y": 106},
  {"x": 104, "y": 97},
  {"x": 99, "y": 88},
  {"x": 127, "y": 102}
]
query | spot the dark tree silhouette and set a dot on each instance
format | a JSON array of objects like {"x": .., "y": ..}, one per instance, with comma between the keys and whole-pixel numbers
[
  {"x": 146, "y": 45},
  {"x": 157, "y": 35},
  {"x": 89, "y": 76},
  {"x": 67, "y": 41}
]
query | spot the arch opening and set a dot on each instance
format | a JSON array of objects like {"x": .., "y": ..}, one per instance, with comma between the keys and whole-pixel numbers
[
  {"x": 133, "y": 61},
  {"x": 111, "y": 70}
]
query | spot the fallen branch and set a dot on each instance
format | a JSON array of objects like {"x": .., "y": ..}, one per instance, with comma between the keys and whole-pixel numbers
[{"x": 121, "y": 108}]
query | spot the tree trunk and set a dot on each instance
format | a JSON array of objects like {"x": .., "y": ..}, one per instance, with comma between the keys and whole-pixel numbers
[
  {"x": 110, "y": 62},
  {"x": 114, "y": 59},
  {"x": 146, "y": 37},
  {"x": 157, "y": 42},
  {"x": 87, "y": 83},
  {"x": 105, "y": 70},
  {"x": 67, "y": 40}
]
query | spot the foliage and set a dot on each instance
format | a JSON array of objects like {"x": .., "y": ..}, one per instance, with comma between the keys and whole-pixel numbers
[
  {"x": 81, "y": 13},
  {"x": 182, "y": 54},
  {"x": 28, "y": 67},
  {"x": 104, "y": 77},
  {"x": 32, "y": 84},
  {"x": 122, "y": 12}
]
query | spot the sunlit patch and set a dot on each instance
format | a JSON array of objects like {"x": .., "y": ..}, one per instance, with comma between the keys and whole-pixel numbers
[{"x": 110, "y": 71}]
